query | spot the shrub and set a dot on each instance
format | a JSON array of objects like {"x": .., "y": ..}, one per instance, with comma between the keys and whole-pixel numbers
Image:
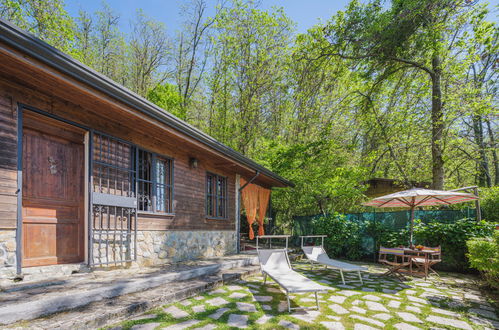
[
  {"x": 484, "y": 256},
  {"x": 344, "y": 237},
  {"x": 452, "y": 237},
  {"x": 489, "y": 203}
]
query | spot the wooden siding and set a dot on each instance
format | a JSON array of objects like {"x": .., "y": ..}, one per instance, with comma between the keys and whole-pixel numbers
[
  {"x": 18, "y": 84},
  {"x": 8, "y": 162}
]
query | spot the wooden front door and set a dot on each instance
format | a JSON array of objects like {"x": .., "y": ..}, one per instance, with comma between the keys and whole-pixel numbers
[{"x": 53, "y": 192}]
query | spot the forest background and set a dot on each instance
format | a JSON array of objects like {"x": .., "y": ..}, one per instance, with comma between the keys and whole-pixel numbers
[{"x": 401, "y": 89}]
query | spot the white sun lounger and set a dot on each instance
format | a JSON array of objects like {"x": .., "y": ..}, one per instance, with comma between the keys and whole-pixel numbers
[
  {"x": 275, "y": 264},
  {"x": 317, "y": 254}
]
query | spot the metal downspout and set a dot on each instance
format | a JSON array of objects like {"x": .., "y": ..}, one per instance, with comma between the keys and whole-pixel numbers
[{"x": 238, "y": 223}]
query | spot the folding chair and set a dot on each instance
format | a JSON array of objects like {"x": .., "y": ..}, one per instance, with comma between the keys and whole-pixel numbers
[
  {"x": 428, "y": 259},
  {"x": 398, "y": 260}
]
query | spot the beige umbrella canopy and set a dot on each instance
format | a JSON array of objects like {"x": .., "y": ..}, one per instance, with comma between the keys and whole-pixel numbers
[{"x": 415, "y": 197}]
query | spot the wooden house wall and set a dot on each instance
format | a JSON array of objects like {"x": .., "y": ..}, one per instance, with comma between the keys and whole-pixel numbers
[
  {"x": 8, "y": 162},
  {"x": 189, "y": 183}
]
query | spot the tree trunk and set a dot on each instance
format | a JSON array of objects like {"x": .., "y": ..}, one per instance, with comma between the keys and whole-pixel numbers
[
  {"x": 437, "y": 123},
  {"x": 483, "y": 163},
  {"x": 494, "y": 152}
]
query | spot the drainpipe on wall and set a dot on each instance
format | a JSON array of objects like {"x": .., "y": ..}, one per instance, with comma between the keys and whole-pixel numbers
[{"x": 238, "y": 211}]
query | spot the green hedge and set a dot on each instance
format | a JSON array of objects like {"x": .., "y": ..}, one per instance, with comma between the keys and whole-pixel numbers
[
  {"x": 489, "y": 203},
  {"x": 347, "y": 239},
  {"x": 484, "y": 256},
  {"x": 452, "y": 237},
  {"x": 344, "y": 237}
]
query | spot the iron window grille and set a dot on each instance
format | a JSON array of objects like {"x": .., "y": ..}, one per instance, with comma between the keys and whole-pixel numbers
[
  {"x": 216, "y": 196},
  {"x": 154, "y": 179}
]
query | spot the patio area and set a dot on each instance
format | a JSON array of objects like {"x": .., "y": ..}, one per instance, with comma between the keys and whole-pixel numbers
[{"x": 452, "y": 301}]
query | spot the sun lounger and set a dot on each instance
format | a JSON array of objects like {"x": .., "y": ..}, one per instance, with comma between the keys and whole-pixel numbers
[
  {"x": 275, "y": 264},
  {"x": 317, "y": 254}
]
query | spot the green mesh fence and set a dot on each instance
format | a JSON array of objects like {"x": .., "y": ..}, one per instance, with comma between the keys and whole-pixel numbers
[{"x": 302, "y": 225}]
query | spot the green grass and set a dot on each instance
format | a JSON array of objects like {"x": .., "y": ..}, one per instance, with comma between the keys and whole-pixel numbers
[{"x": 446, "y": 293}]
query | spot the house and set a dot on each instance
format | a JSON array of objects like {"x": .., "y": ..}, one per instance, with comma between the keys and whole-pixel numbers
[
  {"x": 384, "y": 186},
  {"x": 93, "y": 174}
]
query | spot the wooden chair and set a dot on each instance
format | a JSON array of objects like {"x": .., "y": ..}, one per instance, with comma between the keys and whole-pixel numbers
[
  {"x": 429, "y": 259},
  {"x": 395, "y": 259}
]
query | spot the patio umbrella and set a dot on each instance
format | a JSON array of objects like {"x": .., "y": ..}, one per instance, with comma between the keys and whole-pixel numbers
[{"x": 415, "y": 197}]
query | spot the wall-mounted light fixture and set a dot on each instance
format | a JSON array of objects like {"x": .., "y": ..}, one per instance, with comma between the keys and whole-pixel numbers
[{"x": 193, "y": 162}]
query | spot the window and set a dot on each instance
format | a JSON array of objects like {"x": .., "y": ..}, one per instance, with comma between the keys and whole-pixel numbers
[
  {"x": 154, "y": 178},
  {"x": 216, "y": 196}
]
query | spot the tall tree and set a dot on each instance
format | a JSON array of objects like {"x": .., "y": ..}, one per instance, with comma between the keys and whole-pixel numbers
[
  {"x": 85, "y": 38},
  {"x": 410, "y": 34},
  {"x": 110, "y": 46},
  {"x": 149, "y": 51},
  {"x": 252, "y": 47},
  {"x": 48, "y": 20},
  {"x": 191, "y": 51}
]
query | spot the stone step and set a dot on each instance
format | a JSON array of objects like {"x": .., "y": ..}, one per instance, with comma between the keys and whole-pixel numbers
[
  {"x": 36, "y": 307},
  {"x": 113, "y": 310}
]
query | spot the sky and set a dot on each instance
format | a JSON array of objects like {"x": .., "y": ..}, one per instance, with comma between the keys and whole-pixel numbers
[{"x": 305, "y": 13}]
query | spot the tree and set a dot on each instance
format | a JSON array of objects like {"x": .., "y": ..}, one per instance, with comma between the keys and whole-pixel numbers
[
  {"x": 110, "y": 46},
  {"x": 252, "y": 47},
  {"x": 411, "y": 34},
  {"x": 167, "y": 97},
  {"x": 48, "y": 20},
  {"x": 149, "y": 51},
  {"x": 191, "y": 50},
  {"x": 482, "y": 87},
  {"x": 85, "y": 38}
]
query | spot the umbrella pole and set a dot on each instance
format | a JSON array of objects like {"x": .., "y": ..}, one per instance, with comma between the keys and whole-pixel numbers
[{"x": 412, "y": 227}]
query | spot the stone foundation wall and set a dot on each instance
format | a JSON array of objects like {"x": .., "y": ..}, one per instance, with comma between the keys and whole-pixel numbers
[
  {"x": 159, "y": 247},
  {"x": 153, "y": 248},
  {"x": 7, "y": 253}
]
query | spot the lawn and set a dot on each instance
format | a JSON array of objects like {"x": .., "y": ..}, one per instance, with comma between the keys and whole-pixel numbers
[{"x": 451, "y": 301}]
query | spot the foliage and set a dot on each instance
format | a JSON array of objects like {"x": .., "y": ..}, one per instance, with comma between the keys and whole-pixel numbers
[
  {"x": 48, "y": 20},
  {"x": 331, "y": 181},
  {"x": 405, "y": 89},
  {"x": 484, "y": 255},
  {"x": 489, "y": 204},
  {"x": 167, "y": 97},
  {"x": 344, "y": 237},
  {"x": 452, "y": 238}
]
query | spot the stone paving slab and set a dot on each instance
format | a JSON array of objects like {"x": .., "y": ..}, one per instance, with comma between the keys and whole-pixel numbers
[
  {"x": 238, "y": 321},
  {"x": 100, "y": 313},
  {"x": 31, "y": 303},
  {"x": 449, "y": 322}
]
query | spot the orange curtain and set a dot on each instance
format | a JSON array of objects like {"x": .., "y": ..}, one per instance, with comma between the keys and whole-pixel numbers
[
  {"x": 249, "y": 196},
  {"x": 263, "y": 203}
]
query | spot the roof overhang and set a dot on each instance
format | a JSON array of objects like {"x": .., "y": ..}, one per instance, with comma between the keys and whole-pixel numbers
[{"x": 48, "y": 55}]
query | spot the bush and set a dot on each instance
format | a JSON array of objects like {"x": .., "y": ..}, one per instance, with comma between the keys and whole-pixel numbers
[
  {"x": 452, "y": 237},
  {"x": 344, "y": 237},
  {"x": 484, "y": 256},
  {"x": 489, "y": 203}
]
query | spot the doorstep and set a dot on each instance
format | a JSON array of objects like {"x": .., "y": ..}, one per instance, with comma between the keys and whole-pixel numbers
[{"x": 32, "y": 302}]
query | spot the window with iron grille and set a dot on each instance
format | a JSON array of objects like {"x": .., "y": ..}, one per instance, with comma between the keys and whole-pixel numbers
[
  {"x": 154, "y": 179},
  {"x": 216, "y": 196}
]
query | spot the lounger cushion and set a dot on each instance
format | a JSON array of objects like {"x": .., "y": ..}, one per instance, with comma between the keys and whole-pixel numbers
[
  {"x": 274, "y": 260},
  {"x": 276, "y": 265},
  {"x": 317, "y": 254},
  {"x": 295, "y": 282}
]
